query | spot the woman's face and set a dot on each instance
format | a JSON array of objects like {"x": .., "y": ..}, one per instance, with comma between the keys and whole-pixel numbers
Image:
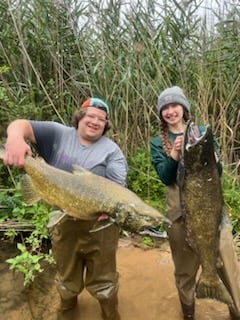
[{"x": 172, "y": 113}]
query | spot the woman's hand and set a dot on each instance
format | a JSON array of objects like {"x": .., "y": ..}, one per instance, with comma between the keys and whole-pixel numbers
[{"x": 177, "y": 148}]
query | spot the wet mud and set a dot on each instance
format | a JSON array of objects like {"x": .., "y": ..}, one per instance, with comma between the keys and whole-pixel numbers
[{"x": 147, "y": 290}]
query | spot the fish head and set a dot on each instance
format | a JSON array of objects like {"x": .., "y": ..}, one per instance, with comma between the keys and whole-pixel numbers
[
  {"x": 137, "y": 218},
  {"x": 129, "y": 219},
  {"x": 198, "y": 147}
]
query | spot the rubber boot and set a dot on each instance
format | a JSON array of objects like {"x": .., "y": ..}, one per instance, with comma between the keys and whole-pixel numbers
[
  {"x": 67, "y": 309},
  {"x": 233, "y": 316},
  {"x": 188, "y": 311},
  {"x": 109, "y": 308}
]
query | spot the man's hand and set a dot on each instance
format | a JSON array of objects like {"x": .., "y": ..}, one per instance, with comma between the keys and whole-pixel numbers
[
  {"x": 15, "y": 152},
  {"x": 103, "y": 217}
]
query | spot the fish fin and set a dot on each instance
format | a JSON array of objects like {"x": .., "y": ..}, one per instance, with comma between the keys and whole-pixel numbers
[
  {"x": 29, "y": 194},
  {"x": 180, "y": 174},
  {"x": 100, "y": 225},
  {"x": 55, "y": 217},
  {"x": 79, "y": 170},
  {"x": 213, "y": 289}
]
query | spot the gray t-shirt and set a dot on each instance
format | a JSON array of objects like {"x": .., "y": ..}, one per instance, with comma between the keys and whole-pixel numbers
[{"x": 60, "y": 147}]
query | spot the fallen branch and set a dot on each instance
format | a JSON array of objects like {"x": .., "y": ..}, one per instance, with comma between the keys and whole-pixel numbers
[{"x": 16, "y": 225}]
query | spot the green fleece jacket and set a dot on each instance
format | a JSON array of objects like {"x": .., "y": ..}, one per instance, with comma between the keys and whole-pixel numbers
[{"x": 165, "y": 166}]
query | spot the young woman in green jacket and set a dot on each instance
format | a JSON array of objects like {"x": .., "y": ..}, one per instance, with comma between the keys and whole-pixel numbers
[{"x": 174, "y": 110}]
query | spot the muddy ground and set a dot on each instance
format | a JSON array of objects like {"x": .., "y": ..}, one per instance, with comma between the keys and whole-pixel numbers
[{"x": 147, "y": 290}]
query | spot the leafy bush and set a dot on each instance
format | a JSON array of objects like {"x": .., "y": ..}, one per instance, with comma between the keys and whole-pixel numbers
[
  {"x": 143, "y": 180},
  {"x": 28, "y": 263},
  {"x": 13, "y": 208},
  {"x": 231, "y": 191}
]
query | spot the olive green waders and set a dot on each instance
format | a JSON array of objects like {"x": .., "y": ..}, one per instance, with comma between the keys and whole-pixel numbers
[
  {"x": 85, "y": 259},
  {"x": 186, "y": 262}
]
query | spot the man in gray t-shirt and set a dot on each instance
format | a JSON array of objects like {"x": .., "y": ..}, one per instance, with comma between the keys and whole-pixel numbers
[{"x": 77, "y": 251}]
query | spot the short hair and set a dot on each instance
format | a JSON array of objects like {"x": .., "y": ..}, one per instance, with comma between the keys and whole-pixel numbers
[{"x": 79, "y": 114}]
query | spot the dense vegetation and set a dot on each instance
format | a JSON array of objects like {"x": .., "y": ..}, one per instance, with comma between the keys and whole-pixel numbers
[{"x": 55, "y": 54}]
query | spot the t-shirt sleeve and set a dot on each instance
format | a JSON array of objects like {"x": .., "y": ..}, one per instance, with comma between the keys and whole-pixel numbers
[
  {"x": 116, "y": 169},
  {"x": 45, "y": 133}
]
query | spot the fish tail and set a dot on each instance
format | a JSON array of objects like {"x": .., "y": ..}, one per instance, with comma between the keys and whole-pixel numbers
[{"x": 213, "y": 289}]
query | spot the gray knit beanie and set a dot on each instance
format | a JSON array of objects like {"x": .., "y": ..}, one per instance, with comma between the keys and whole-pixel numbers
[{"x": 172, "y": 95}]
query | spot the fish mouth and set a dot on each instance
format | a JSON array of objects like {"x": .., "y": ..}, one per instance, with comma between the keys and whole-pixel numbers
[
  {"x": 193, "y": 135},
  {"x": 153, "y": 232},
  {"x": 147, "y": 225}
]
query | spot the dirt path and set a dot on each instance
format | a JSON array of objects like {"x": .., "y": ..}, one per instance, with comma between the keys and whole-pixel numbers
[{"x": 147, "y": 290}]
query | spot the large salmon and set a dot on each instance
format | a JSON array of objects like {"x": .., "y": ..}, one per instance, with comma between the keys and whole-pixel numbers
[
  {"x": 202, "y": 204},
  {"x": 86, "y": 196}
]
